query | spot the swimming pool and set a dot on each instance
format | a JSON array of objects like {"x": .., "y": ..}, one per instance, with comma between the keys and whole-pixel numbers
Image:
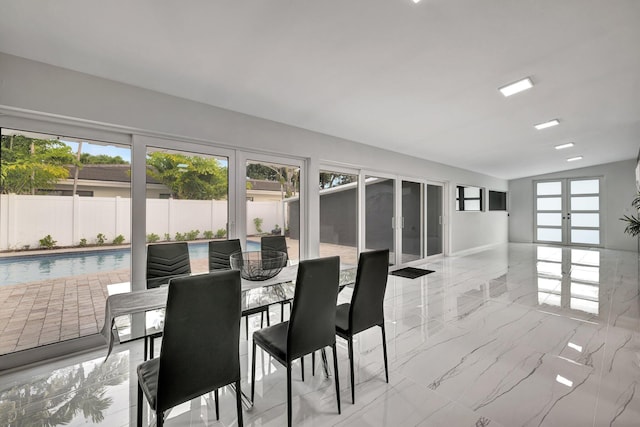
[{"x": 25, "y": 269}]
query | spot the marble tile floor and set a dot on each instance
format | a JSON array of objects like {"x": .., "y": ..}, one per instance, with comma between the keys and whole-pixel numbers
[{"x": 519, "y": 335}]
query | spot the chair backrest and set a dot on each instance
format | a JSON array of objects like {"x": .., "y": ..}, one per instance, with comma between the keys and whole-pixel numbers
[
  {"x": 167, "y": 259},
  {"x": 200, "y": 347},
  {"x": 274, "y": 243},
  {"x": 313, "y": 314},
  {"x": 368, "y": 293},
  {"x": 219, "y": 252}
]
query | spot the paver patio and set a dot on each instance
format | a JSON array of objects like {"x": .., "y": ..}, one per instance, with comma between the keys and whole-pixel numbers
[{"x": 44, "y": 312}]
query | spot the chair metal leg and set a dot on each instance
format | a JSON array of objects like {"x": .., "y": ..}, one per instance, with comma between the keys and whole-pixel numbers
[
  {"x": 302, "y": 367},
  {"x": 239, "y": 403},
  {"x": 336, "y": 376},
  {"x": 384, "y": 349},
  {"x": 253, "y": 372},
  {"x": 313, "y": 363},
  {"x": 151, "y": 352},
  {"x": 215, "y": 398},
  {"x": 262, "y": 319},
  {"x": 159, "y": 418},
  {"x": 139, "y": 409},
  {"x": 268, "y": 320},
  {"x": 246, "y": 326},
  {"x": 289, "y": 409},
  {"x": 282, "y": 312},
  {"x": 353, "y": 388},
  {"x": 146, "y": 347}
]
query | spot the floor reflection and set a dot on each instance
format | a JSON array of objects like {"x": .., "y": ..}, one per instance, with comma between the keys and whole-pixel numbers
[
  {"x": 57, "y": 398},
  {"x": 569, "y": 278}
]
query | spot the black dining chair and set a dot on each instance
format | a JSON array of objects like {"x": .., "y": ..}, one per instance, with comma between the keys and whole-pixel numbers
[
  {"x": 276, "y": 243},
  {"x": 200, "y": 349},
  {"x": 219, "y": 253},
  {"x": 366, "y": 308},
  {"x": 311, "y": 326},
  {"x": 166, "y": 260}
]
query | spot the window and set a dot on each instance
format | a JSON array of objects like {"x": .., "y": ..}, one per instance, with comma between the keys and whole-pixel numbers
[
  {"x": 61, "y": 289},
  {"x": 468, "y": 198},
  {"x": 497, "y": 200}
]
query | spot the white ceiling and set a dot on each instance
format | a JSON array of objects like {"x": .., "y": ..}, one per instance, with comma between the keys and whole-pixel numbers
[{"x": 420, "y": 79}]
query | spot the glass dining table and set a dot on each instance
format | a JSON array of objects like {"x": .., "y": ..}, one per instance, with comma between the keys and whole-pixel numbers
[{"x": 132, "y": 315}]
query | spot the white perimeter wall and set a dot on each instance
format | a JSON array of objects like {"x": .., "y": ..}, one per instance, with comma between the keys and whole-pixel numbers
[
  {"x": 71, "y": 97},
  {"x": 24, "y": 220},
  {"x": 618, "y": 189}
]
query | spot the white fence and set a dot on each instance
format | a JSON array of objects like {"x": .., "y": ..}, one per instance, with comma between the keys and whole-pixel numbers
[{"x": 24, "y": 220}]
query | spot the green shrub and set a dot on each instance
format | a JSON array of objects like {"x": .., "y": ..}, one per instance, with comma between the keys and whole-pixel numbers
[
  {"x": 167, "y": 238},
  {"x": 207, "y": 234},
  {"x": 192, "y": 235},
  {"x": 221, "y": 233},
  {"x": 100, "y": 239},
  {"x": 118, "y": 240},
  {"x": 258, "y": 223},
  {"x": 180, "y": 237},
  {"x": 83, "y": 242},
  {"x": 152, "y": 237},
  {"x": 47, "y": 242}
]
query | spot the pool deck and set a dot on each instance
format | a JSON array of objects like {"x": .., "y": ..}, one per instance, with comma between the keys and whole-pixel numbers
[{"x": 44, "y": 312}]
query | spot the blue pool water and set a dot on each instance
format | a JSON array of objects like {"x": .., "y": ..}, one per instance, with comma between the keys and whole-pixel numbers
[{"x": 26, "y": 269}]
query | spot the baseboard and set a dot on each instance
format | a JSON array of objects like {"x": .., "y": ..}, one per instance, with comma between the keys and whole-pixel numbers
[{"x": 477, "y": 249}]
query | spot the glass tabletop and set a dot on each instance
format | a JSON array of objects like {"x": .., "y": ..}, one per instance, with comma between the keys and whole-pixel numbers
[{"x": 254, "y": 300}]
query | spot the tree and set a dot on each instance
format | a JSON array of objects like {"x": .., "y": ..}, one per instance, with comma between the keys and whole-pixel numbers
[
  {"x": 287, "y": 176},
  {"x": 55, "y": 399},
  {"x": 189, "y": 177},
  {"x": 30, "y": 164},
  {"x": 330, "y": 179},
  {"x": 101, "y": 159}
]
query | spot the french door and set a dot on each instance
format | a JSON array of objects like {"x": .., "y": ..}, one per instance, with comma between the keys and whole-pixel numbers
[{"x": 568, "y": 211}]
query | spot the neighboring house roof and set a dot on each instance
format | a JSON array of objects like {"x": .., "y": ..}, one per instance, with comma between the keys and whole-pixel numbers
[
  {"x": 113, "y": 173},
  {"x": 264, "y": 185},
  {"x": 122, "y": 173}
]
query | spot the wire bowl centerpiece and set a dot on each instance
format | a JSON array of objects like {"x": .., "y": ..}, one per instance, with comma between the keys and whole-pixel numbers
[{"x": 258, "y": 265}]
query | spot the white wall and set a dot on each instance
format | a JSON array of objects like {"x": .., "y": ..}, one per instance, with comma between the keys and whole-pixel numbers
[
  {"x": 619, "y": 188},
  {"x": 70, "y": 97}
]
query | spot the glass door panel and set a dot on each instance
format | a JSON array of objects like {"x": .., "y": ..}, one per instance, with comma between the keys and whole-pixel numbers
[
  {"x": 339, "y": 216},
  {"x": 69, "y": 199},
  {"x": 434, "y": 219},
  {"x": 187, "y": 200},
  {"x": 584, "y": 211},
  {"x": 273, "y": 204},
  {"x": 549, "y": 213},
  {"x": 412, "y": 221},
  {"x": 380, "y": 215}
]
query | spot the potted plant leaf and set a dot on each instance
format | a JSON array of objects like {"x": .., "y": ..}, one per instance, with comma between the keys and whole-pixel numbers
[{"x": 633, "y": 222}]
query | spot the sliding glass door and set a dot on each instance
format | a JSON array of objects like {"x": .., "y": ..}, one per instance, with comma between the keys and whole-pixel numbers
[
  {"x": 379, "y": 194},
  {"x": 435, "y": 205},
  {"x": 412, "y": 221},
  {"x": 65, "y": 234},
  {"x": 273, "y": 205}
]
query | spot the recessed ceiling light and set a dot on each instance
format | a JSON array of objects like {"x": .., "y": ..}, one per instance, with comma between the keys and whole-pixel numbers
[
  {"x": 562, "y": 146},
  {"x": 519, "y": 86},
  {"x": 416, "y": 1},
  {"x": 548, "y": 124},
  {"x": 573, "y": 159}
]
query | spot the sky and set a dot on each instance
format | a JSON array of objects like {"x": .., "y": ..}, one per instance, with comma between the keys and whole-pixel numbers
[
  {"x": 116, "y": 150},
  {"x": 96, "y": 149}
]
